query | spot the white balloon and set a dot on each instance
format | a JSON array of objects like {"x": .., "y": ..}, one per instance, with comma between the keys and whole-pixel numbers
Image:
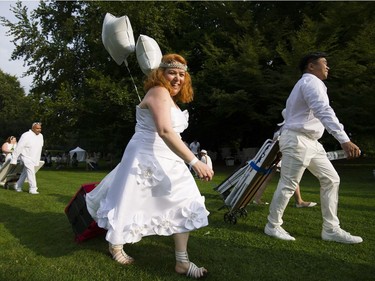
[
  {"x": 148, "y": 53},
  {"x": 117, "y": 37}
]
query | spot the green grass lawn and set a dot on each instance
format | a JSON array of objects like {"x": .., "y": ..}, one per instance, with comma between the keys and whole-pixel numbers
[{"x": 37, "y": 241}]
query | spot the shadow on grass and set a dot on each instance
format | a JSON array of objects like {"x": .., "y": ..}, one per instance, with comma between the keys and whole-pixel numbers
[
  {"x": 228, "y": 257},
  {"x": 64, "y": 199},
  {"x": 45, "y": 233},
  {"x": 235, "y": 260}
]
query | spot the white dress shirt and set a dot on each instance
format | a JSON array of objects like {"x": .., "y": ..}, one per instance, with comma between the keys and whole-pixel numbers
[
  {"x": 207, "y": 160},
  {"x": 29, "y": 148},
  {"x": 308, "y": 110}
]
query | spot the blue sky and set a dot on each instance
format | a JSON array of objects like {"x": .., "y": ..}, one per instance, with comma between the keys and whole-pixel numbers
[{"x": 15, "y": 68}]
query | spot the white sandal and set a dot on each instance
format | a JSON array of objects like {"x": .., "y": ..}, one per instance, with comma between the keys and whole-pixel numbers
[
  {"x": 193, "y": 271},
  {"x": 119, "y": 255}
]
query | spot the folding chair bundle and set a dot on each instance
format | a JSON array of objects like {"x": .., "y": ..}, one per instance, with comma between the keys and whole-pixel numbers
[
  {"x": 240, "y": 187},
  {"x": 9, "y": 174}
]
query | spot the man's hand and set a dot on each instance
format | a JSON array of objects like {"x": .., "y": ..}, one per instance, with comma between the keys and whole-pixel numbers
[{"x": 351, "y": 150}]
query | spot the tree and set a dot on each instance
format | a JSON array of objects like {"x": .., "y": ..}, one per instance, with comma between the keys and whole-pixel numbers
[
  {"x": 15, "y": 114},
  {"x": 61, "y": 47},
  {"x": 242, "y": 57}
]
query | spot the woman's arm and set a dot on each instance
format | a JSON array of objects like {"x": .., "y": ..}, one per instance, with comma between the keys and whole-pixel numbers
[
  {"x": 4, "y": 148},
  {"x": 159, "y": 102}
]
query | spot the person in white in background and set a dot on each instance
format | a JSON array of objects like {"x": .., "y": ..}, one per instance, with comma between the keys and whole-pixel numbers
[
  {"x": 8, "y": 147},
  {"x": 205, "y": 158},
  {"x": 195, "y": 147},
  {"x": 307, "y": 115},
  {"x": 29, "y": 150}
]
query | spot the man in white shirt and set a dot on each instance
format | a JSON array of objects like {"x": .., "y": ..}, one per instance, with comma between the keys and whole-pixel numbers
[
  {"x": 307, "y": 115},
  {"x": 205, "y": 158},
  {"x": 29, "y": 150},
  {"x": 195, "y": 147}
]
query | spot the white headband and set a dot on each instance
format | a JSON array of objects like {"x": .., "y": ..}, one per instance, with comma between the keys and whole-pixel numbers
[{"x": 174, "y": 64}]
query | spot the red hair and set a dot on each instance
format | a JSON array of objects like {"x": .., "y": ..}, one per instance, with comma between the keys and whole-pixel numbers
[{"x": 156, "y": 78}]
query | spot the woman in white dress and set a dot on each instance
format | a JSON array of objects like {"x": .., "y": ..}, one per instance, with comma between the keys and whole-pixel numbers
[
  {"x": 151, "y": 191},
  {"x": 8, "y": 147}
]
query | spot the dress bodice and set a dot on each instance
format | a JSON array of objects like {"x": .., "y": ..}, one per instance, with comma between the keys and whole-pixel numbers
[{"x": 145, "y": 121}]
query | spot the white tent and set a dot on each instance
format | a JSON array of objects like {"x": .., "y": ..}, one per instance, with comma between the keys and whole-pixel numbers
[{"x": 81, "y": 154}]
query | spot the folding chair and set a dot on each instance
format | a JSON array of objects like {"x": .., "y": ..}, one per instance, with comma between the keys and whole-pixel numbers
[
  {"x": 240, "y": 187},
  {"x": 9, "y": 174}
]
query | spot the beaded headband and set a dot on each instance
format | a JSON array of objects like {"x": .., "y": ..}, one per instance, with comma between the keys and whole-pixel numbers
[{"x": 174, "y": 64}]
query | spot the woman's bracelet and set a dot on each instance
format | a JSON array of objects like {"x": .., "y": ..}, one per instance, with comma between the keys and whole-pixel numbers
[{"x": 192, "y": 162}]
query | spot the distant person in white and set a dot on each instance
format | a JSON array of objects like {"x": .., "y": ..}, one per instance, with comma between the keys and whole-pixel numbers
[
  {"x": 29, "y": 150},
  {"x": 205, "y": 158},
  {"x": 307, "y": 115},
  {"x": 195, "y": 147}
]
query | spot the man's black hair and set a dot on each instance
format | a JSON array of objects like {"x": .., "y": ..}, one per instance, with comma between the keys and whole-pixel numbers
[{"x": 310, "y": 57}]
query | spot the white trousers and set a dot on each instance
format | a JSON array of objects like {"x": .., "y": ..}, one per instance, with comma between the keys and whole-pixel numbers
[
  {"x": 298, "y": 154},
  {"x": 29, "y": 173}
]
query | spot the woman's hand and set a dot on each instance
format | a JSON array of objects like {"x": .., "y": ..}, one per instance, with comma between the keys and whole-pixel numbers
[{"x": 203, "y": 171}]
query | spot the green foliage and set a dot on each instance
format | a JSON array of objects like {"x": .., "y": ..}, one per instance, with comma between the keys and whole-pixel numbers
[
  {"x": 15, "y": 114},
  {"x": 242, "y": 55}
]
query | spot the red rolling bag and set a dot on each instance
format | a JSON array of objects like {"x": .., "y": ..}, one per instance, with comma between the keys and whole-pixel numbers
[{"x": 84, "y": 227}]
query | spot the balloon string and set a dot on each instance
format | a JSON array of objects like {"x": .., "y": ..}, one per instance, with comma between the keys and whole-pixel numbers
[{"x": 135, "y": 86}]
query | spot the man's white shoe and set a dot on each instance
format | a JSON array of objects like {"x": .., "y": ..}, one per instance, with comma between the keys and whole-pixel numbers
[
  {"x": 16, "y": 188},
  {"x": 33, "y": 192},
  {"x": 278, "y": 232},
  {"x": 341, "y": 236}
]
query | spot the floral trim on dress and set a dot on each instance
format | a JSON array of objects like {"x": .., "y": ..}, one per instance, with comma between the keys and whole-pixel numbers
[
  {"x": 192, "y": 217},
  {"x": 195, "y": 215},
  {"x": 162, "y": 225},
  {"x": 137, "y": 229},
  {"x": 149, "y": 173}
]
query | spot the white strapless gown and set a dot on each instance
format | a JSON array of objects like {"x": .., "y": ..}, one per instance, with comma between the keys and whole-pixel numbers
[{"x": 151, "y": 191}]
